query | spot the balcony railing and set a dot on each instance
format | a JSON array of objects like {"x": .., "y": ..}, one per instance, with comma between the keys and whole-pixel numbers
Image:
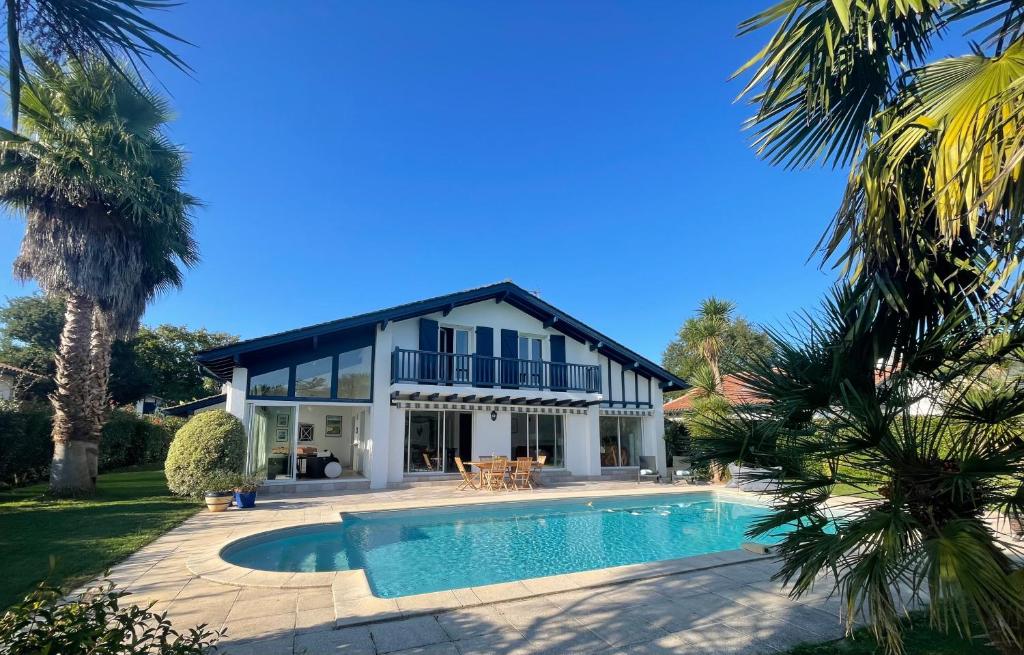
[{"x": 423, "y": 367}]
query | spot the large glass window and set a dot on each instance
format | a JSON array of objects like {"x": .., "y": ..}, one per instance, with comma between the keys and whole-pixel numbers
[
  {"x": 313, "y": 379},
  {"x": 434, "y": 439},
  {"x": 539, "y": 434},
  {"x": 354, "y": 374},
  {"x": 621, "y": 440},
  {"x": 271, "y": 383},
  {"x": 271, "y": 431}
]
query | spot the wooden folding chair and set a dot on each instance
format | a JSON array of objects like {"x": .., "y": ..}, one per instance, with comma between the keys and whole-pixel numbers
[
  {"x": 467, "y": 478},
  {"x": 521, "y": 473},
  {"x": 494, "y": 477},
  {"x": 426, "y": 460},
  {"x": 535, "y": 472}
]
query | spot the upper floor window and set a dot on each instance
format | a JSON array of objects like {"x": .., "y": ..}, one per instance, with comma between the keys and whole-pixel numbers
[
  {"x": 313, "y": 379},
  {"x": 354, "y": 369},
  {"x": 271, "y": 383}
]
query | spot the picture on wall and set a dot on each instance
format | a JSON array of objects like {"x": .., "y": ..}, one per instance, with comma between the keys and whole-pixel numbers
[
  {"x": 282, "y": 420},
  {"x": 282, "y": 434},
  {"x": 333, "y": 428},
  {"x": 305, "y": 431}
]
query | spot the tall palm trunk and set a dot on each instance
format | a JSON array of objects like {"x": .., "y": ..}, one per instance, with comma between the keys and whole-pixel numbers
[
  {"x": 99, "y": 378},
  {"x": 73, "y": 449}
]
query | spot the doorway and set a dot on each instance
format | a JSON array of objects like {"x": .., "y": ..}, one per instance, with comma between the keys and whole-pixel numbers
[
  {"x": 433, "y": 439},
  {"x": 453, "y": 349}
]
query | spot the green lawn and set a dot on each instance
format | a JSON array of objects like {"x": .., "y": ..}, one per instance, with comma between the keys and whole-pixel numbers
[
  {"x": 920, "y": 640},
  {"x": 82, "y": 536}
]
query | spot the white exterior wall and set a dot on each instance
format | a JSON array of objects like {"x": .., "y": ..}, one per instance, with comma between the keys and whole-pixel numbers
[
  {"x": 381, "y": 449},
  {"x": 379, "y": 438},
  {"x": 235, "y": 391}
]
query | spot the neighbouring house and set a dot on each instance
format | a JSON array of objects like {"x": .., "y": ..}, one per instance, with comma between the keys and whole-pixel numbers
[
  {"x": 733, "y": 389},
  {"x": 397, "y": 394},
  {"x": 192, "y": 407},
  {"x": 14, "y": 380},
  {"x": 148, "y": 404}
]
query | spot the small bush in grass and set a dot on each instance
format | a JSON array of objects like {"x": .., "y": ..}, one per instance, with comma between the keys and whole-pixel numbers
[
  {"x": 210, "y": 441},
  {"x": 95, "y": 622}
]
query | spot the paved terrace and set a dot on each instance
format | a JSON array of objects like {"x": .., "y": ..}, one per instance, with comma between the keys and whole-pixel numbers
[{"x": 719, "y": 603}]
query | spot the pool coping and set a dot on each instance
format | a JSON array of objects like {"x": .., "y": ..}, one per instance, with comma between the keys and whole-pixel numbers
[{"x": 355, "y": 603}]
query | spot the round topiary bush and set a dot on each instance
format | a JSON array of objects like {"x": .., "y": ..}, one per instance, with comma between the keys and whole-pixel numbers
[{"x": 210, "y": 441}]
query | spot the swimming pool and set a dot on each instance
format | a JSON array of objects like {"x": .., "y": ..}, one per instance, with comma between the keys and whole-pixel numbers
[{"x": 423, "y": 550}]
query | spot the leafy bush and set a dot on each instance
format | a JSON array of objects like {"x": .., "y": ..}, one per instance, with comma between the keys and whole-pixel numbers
[
  {"x": 25, "y": 445},
  {"x": 128, "y": 440},
  {"x": 160, "y": 431},
  {"x": 95, "y": 622},
  {"x": 210, "y": 442}
]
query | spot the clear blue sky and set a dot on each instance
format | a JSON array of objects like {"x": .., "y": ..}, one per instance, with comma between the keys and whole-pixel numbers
[{"x": 356, "y": 155}]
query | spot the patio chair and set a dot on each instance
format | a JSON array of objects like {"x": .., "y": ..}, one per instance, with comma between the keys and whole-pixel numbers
[
  {"x": 426, "y": 460},
  {"x": 494, "y": 476},
  {"x": 648, "y": 469},
  {"x": 535, "y": 472},
  {"x": 520, "y": 477},
  {"x": 681, "y": 470},
  {"x": 467, "y": 478}
]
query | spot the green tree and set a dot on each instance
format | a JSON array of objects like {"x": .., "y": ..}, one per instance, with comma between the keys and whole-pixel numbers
[
  {"x": 155, "y": 361},
  {"x": 166, "y": 354},
  {"x": 108, "y": 226},
  {"x": 115, "y": 30},
  {"x": 738, "y": 339}
]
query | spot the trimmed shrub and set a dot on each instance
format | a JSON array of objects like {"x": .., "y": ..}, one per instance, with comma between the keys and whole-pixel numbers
[{"x": 210, "y": 441}]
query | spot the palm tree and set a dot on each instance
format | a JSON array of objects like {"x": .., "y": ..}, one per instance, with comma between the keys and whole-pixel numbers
[
  {"x": 107, "y": 227},
  {"x": 114, "y": 30},
  {"x": 706, "y": 335},
  {"x": 934, "y": 208},
  {"x": 923, "y": 486}
]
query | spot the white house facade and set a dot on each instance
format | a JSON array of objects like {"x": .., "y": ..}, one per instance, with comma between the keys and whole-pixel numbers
[{"x": 394, "y": 396}]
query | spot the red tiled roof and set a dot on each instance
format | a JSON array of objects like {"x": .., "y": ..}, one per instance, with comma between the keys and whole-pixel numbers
[{"x": 732, "y": 388}]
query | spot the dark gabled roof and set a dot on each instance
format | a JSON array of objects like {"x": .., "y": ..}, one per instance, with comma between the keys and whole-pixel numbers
[
  {"x": 186, "y": 409},
  {"x": 219, "y": 362},
  {"x": 9, "y": 368}
]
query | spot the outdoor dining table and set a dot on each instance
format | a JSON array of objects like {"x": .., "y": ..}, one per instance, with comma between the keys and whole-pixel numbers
[{"x": 487, "y": 465}]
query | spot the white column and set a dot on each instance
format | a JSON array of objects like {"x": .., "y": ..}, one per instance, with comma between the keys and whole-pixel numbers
[
  {"x": 594, "y": 440},
  {"x": 235, "y": 390},
  {"x": 378, "y": 439},
  {"x": 659, "y": 429}
]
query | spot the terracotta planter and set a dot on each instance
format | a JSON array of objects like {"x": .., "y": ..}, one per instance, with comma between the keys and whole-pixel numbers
[{"x": 217, "y": 501}]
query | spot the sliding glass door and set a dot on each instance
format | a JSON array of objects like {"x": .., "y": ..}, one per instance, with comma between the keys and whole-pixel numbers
[
  {"x": 271, "y": 441},
  {"x": 539, "y": 434},
  {"x": 434, "y": 439},
  {"x": 621, "y": 440}
]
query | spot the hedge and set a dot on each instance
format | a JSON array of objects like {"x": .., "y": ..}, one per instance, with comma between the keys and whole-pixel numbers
[{"x": 128, "y": 440}]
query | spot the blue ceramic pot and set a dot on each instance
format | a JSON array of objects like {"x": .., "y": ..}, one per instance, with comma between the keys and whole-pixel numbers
[{"x": 245, "y": 499}]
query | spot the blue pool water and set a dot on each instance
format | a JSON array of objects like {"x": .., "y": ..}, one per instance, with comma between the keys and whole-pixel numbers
[{"x": 418, "y": 551}]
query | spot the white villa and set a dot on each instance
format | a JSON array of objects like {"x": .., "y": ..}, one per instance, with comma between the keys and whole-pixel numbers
[{"x": 395, "y": 395}]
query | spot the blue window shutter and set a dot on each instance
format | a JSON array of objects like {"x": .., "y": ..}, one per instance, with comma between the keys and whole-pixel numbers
[
  {"x": 509, "y": 351},
  {"x": 483, "y": 366},
  {"x": 558, "y": 367},
  {"x": 428, "y": 343}
]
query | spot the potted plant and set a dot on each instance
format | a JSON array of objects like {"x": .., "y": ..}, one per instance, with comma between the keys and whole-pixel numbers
[
  {"x": 218, "y": 491},
  {"x": 246, "y": 487}
]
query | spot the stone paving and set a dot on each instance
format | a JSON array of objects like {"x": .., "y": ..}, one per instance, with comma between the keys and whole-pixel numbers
[{"x": 728, "y": 605}]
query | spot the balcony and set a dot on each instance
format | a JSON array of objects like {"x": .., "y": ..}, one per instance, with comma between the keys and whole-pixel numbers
[{"x": 423, "y": 367}]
